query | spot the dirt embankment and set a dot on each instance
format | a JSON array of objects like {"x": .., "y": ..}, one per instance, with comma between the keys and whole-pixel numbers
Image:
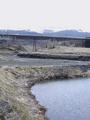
[
  {"x": 11, "y": 49},
  {"x": 16, "y": 99},
  {"x": 79, "y": 57},
  {"x": 70, "y": 53}
]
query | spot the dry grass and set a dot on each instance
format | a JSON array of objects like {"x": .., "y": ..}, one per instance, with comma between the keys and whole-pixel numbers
[
  {"x": 66, "y": 50},
  {"x": 12, "y": 87}
]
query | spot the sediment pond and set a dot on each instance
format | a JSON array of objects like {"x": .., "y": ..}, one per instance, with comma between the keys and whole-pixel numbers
[{"x": 65, "y": 100}]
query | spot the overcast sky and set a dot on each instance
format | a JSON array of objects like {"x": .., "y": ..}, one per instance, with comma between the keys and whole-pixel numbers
[{"x": 45, "y": 14}]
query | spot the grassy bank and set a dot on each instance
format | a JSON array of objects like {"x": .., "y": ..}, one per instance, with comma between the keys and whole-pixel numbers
[{"x": 16, "y": 99}]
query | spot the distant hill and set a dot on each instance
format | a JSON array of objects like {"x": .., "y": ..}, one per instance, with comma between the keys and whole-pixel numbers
[
  {"x": 68, "y": 33},
  {"x": 64, "y": 33},
  {"x": 19, "y": 32}
]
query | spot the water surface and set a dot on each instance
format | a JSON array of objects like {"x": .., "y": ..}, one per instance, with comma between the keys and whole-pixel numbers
[{"x": 65, "y": 100}]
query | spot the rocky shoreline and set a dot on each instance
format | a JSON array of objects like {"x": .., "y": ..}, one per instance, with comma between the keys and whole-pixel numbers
[{"x": 17, "y": 101}]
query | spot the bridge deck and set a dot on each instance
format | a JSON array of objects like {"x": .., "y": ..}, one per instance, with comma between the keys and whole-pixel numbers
[{"x": 40, "y": 37}]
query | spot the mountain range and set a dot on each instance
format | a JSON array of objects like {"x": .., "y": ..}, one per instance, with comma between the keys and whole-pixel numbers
[{"x": 63, "y": 33}]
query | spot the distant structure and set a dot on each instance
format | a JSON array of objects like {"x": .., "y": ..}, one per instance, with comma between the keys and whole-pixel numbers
[{"x": 43, "y": 41}]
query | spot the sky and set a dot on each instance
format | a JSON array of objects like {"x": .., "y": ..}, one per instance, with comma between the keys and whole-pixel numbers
[{"x": 37, "y": 15}]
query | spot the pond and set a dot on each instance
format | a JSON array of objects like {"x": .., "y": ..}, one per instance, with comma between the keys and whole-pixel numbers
[{"x": 65, "y": 100}]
